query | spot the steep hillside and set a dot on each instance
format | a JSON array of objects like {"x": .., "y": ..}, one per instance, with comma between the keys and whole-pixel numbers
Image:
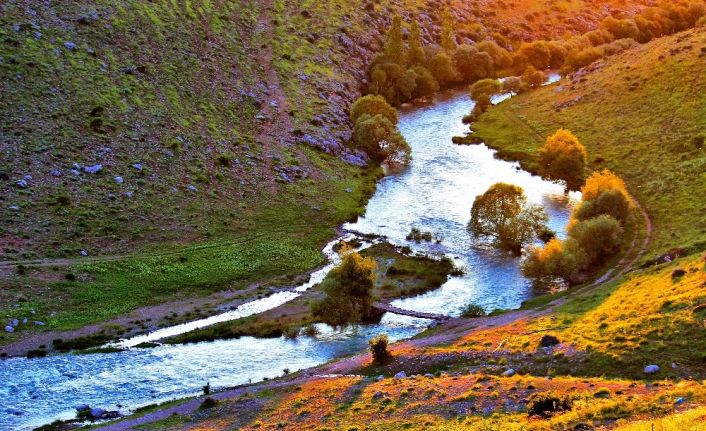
[{"x": 641, "y": 114}]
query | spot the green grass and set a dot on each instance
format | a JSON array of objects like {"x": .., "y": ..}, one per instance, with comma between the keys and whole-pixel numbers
[{"x": 637, "y": 115}]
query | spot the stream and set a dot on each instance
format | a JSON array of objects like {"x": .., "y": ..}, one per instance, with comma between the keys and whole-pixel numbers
[{"x": 434, "y": 194}]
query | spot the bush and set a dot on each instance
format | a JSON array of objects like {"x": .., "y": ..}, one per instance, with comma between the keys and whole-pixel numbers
[
  {"x": 378, "y": 348},
  {"x": 533, "y": 78},
  {"x": 373, "y": 105},
  {"x": 611, "y": 202},
  {"x": 698, "y": 141},
  {"x": 485, "y": 89},
  {"x": 473, "y": 311},
  {"x": 563, "y": 157},
  {"x": 207, "y": 403},
  {"x": 381, "y": 140},
  {"x": 557, "y": 259},
  {"x": 600, "y": 182},
  {"x": 442, "y": 68},
  {"x": 426, "y": 83},
  {"x": 224, "y": 159},
  {"x": 512, "y": 84},
  {"x": 599, "y": 237},
  {"x": 545, "y": 405}
]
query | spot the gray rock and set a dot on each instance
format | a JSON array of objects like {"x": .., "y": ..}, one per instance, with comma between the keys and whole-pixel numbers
[
  {"x": 378, "y": 395},
  {"x": 128, "y": 194},
  {"x": 75, "y": 172},
  {"x": 380, "y": 378},
  {"x": 83, "y": 253},
  {"x": 509, "y": 373},
  {"x": 14, "y": 412},
  {"x": 354, "y": 160},
  {"x": 56, "y": 173},
  {"x": 82, "y": 407},
  {"x": 349, "y": 190},
  {"x": 39, "y": 323},
  {"x": 286, "y": 178},
  {"x": 400, "y": 375},
  {"x": 97, "y": 412},
  {"x": 70, "y": 46},
  {"x": 119, "y": 180},
  {"x": 652, "y": 369},
  {"x": 137, "y": 166},
  {"x": 9, "y": 328},
  {"x": 27, "y": 177},
  {"x": 24, "y": 321},
  {"x": 191, "y": 187},
  {"x": 22, "y": 184},
  {"x": 14, "y": 323},
  {"x": 14, "y": 208},
  {"x": 93, "y": 169}
]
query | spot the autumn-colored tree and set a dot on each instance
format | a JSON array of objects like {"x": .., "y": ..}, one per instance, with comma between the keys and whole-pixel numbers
[
  {"x": 557, "y": 259},
  {"x": 532, "y": 77},
  {"x": 442, "y": 68},
  {"x": 614, "y": 203},
  {"x": 502, "y": 59},
  {"x": 426, "y": 83},
  {"x": 564, "y": 158},
  {"x": 394, "y": 44},
  {"x": 378, "y": 348},
  {"x": 415, "y": 53},
  {"x": 503, "y": 215},
  {"x": 600, "y": 182},
  {"x": 448, "y": 38},
  {"x": 484, "y": 89},
  {"x": 373, "y": 105},
  {"x": 348, "y": 289},
  {"x": 599, "y": 237},
  {"x": 472, "y": 64}
]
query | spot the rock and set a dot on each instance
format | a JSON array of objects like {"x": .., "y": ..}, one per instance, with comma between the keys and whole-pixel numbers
[
  {"x": 349, "y": 190},
  {"x": 378, "y": 395},
  {"x": 353, "y": 159},
  {"x": 24, "y": 321},
  {"x": 509, "y": 373},
  {"x": 97, "y": 413},
  {"x": 137, "y": 166},
  {"x": 75, "y": 172},
  {"x": 119, "y": 180},
  {"x": 55, "y": 173},
  {"x": 9, "y": 328},
  {"x": 679, "y": 272},
  {"x": 674, "y": 365},
  {"x": 39, "y": 323},
  {"x": 679, "y": 400},
  {"x": 14, "y": 323},
  {"x": 191, "y": 187},
  {"x": 651, "y": 369},
  {"x": 93, "y": 169},
  {"x": 285, "y": 178},
  {"x": 70, "y": 46},
  {"x": 582, "y": 426},
  {"x": 548, "y": 341},
  {"x": 22, "y": 184},
  {"x": 83, "y": 253},
  {"x": 82, "y": 407},
  {"x": 14, "y": 208},
  {"x": 400, "y": 375},
  {"x": 128, "y": 195},
  {"x": 380, "y": 378}
]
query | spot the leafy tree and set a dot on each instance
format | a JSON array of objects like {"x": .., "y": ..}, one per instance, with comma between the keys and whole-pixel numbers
[
  {"x": 536, "y": 54},
  {"x": 393, "y": 82},
  {"x": 426, "y": 83},
  {"x": 415, "y": 55},
  {"x": 557, "y": 259},
  {"x": 394, "y": 44},
  {"x": 448, "y": 39},
  {"x": 485, "y": 89},
  {"x": 512, "y": 84},
  {"x": 621, "y": 28},
  {"x": 611, "y": 202},
  {"x": 599, "y": 237},
  {"x": 348, "y": 289},
  {"x": 503, "y": 215},
  {"x": 532, "y": 77},
  {"x": 502, "y": 59},
  {"x": 442, "y": 68},
  {"x": 600, "y": 182},
  {"x": 472, "y": 64},
  {"x": 373, "y": 105},
  {"x": 563, "y": 157},
  {"x": 381, "y": 140}
]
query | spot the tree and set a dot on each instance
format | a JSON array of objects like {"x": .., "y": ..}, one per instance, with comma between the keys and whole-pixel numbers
[
  {"x": 373, "y": 105},
  {"x": 557, "y": 259},
  {"x": 611, "y": 202},
  {"x": 502, "y": 59},
  {"x": 502, "y": 214},
  {"x": 485, "y": 89},
  {"x": 512, "y": 84},
  {"x": 415, "y": 55},
  {"x": 381, "y": 140},
  {"x": 532, "y": 77},
  {"x": 348, "y": 289},
  {"x": 599, "y": 237},
  {"x": 448, "y": 39},
  {"x": 600, "y": 182},
  {"x": 393, "y": 82},
  {"x": 442, "y": 68},
  {"x": 426, "y": 83},
  {"x": 394, "y": 45},
  {"x": 564, "y": 158}
]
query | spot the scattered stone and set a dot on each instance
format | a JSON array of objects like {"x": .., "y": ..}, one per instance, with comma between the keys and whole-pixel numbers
[
  {"x": 97, "y": 412},
  {"x": 9, "y": 328},
  {"x": 137, "y": 166},
  {"x": 191, "y": 187},
  {"x": 679, "y": 400},
  {"x": 15, "y": 323},
  {"x": 400, "y": 375},
  {"x": 39, "y": 323},
  {"x": 93, "y": 169},
  {"x": 83, "y": 253},
  {"x": 24, "y": 321},
  {"x": 651, "y": 369},
  {"x": 22, "y": 184},
  {"x": 14, "y": 208},
  {"x": 119, "y": 180},
  {"x": 349, "y": 190},
  {"x": 509, "y": 373},
  {"x": 129, "y": 194},
  {"x": 283, "y": 177},
  {"x": 14, "y": 412},
  {"x": 56, "y": 173},
  {"x": 378, "y": 395},
  {"x": 75, "y": 172},
  {"x": 674, "y": 365},
  {"x": 70, "y": 46},
  {"x": 582, "y": 426},
  {"x": 380, "y": 378},
  {"x": 548, "y": 341}
]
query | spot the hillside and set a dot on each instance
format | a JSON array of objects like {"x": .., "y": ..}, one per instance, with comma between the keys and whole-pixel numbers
[
  {"x": 152, "y": 151},
  {"x": 641, "y": 114}
]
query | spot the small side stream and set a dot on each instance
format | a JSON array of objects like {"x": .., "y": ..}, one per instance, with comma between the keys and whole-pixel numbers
[{"x": 434, "y": 194}]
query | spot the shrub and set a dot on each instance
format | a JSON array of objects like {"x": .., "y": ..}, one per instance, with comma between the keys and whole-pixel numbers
[
  {"x": 224, "y": 159},
  {"x": 512, "y": 84},
  {"x": 611, "y": 202},
  {"x": 599, "y": 237},
  {"x": 698, "y": 141},
  {"x": 600, "y": 182},
  {"x": 563, "y": 157},
  {"x": 485, "y": 89},
  {"x": 372, "y": 105},
  {"x": 381, "y": 140},
  {"x": 557, "y": 259},
  {"x": 207, "y": 403},
  {"x": 533, "y": 78},
  {"x": 426, "y": 83},
  {"x": 547, "y": 404},
  {"x": 378, "y": 348},
  {"x": 473, "y": 311},
  {"x": 442, "y": 68}
]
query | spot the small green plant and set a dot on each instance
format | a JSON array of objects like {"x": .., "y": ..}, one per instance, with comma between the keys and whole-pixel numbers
[{"x": 472, "y": 311}]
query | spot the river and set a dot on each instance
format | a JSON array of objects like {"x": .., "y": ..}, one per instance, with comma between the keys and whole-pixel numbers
[{"x": 434, "y": 194}]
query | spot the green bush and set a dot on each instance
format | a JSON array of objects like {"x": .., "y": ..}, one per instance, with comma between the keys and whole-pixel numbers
[
  {"x": 373, "y": 105},
  {"x": 378, "y": 348},
  {"x": 473, "y": 311}
]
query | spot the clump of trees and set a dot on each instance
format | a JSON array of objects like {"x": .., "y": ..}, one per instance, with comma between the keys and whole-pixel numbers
[
  {"x": 503, "y": 215},
  {"x": 349, "y": 291},
  {"x": 375, "y": 131},
  {"x": 563, "y": 157},
  {"x": 594, "y": 232}
]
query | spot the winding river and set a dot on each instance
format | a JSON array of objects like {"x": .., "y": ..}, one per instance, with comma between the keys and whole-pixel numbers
[{"x": 434, "y": 194}]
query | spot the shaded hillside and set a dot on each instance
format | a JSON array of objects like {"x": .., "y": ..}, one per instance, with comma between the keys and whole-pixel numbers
[{"x": 641, "y": 114}]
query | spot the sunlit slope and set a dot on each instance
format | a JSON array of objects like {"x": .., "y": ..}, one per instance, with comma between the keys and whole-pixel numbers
[{"x": 642, "y": 114}]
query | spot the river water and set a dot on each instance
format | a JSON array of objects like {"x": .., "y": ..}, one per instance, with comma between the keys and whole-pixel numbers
[{"x": 434, "y": 194}]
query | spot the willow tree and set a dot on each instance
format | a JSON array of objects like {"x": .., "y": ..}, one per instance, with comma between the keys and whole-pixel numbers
[{"x": 503, "y": 215}]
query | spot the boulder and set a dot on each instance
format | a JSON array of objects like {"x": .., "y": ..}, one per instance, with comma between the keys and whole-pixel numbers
[
  {"x": 548, "y": 341},
  {"x": 119, "y": 180},
  {"x": 9, "y": 328},
  {"x": 22, "y": 184},
  {"x": 14, "y": 412},
  {"x": 509, "y": 373},
  {"x": 400, "y": 375},
  {"x": 137, "y": 166},
  {"x": 70, "y": 46},
  {"x": 93, "y": 169},
  {"x": 97, "y": 413},
  {"x": 652, "y": 369}
]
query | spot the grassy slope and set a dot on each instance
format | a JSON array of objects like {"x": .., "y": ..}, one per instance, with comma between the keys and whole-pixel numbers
[{"x": 637, "y": 114}]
